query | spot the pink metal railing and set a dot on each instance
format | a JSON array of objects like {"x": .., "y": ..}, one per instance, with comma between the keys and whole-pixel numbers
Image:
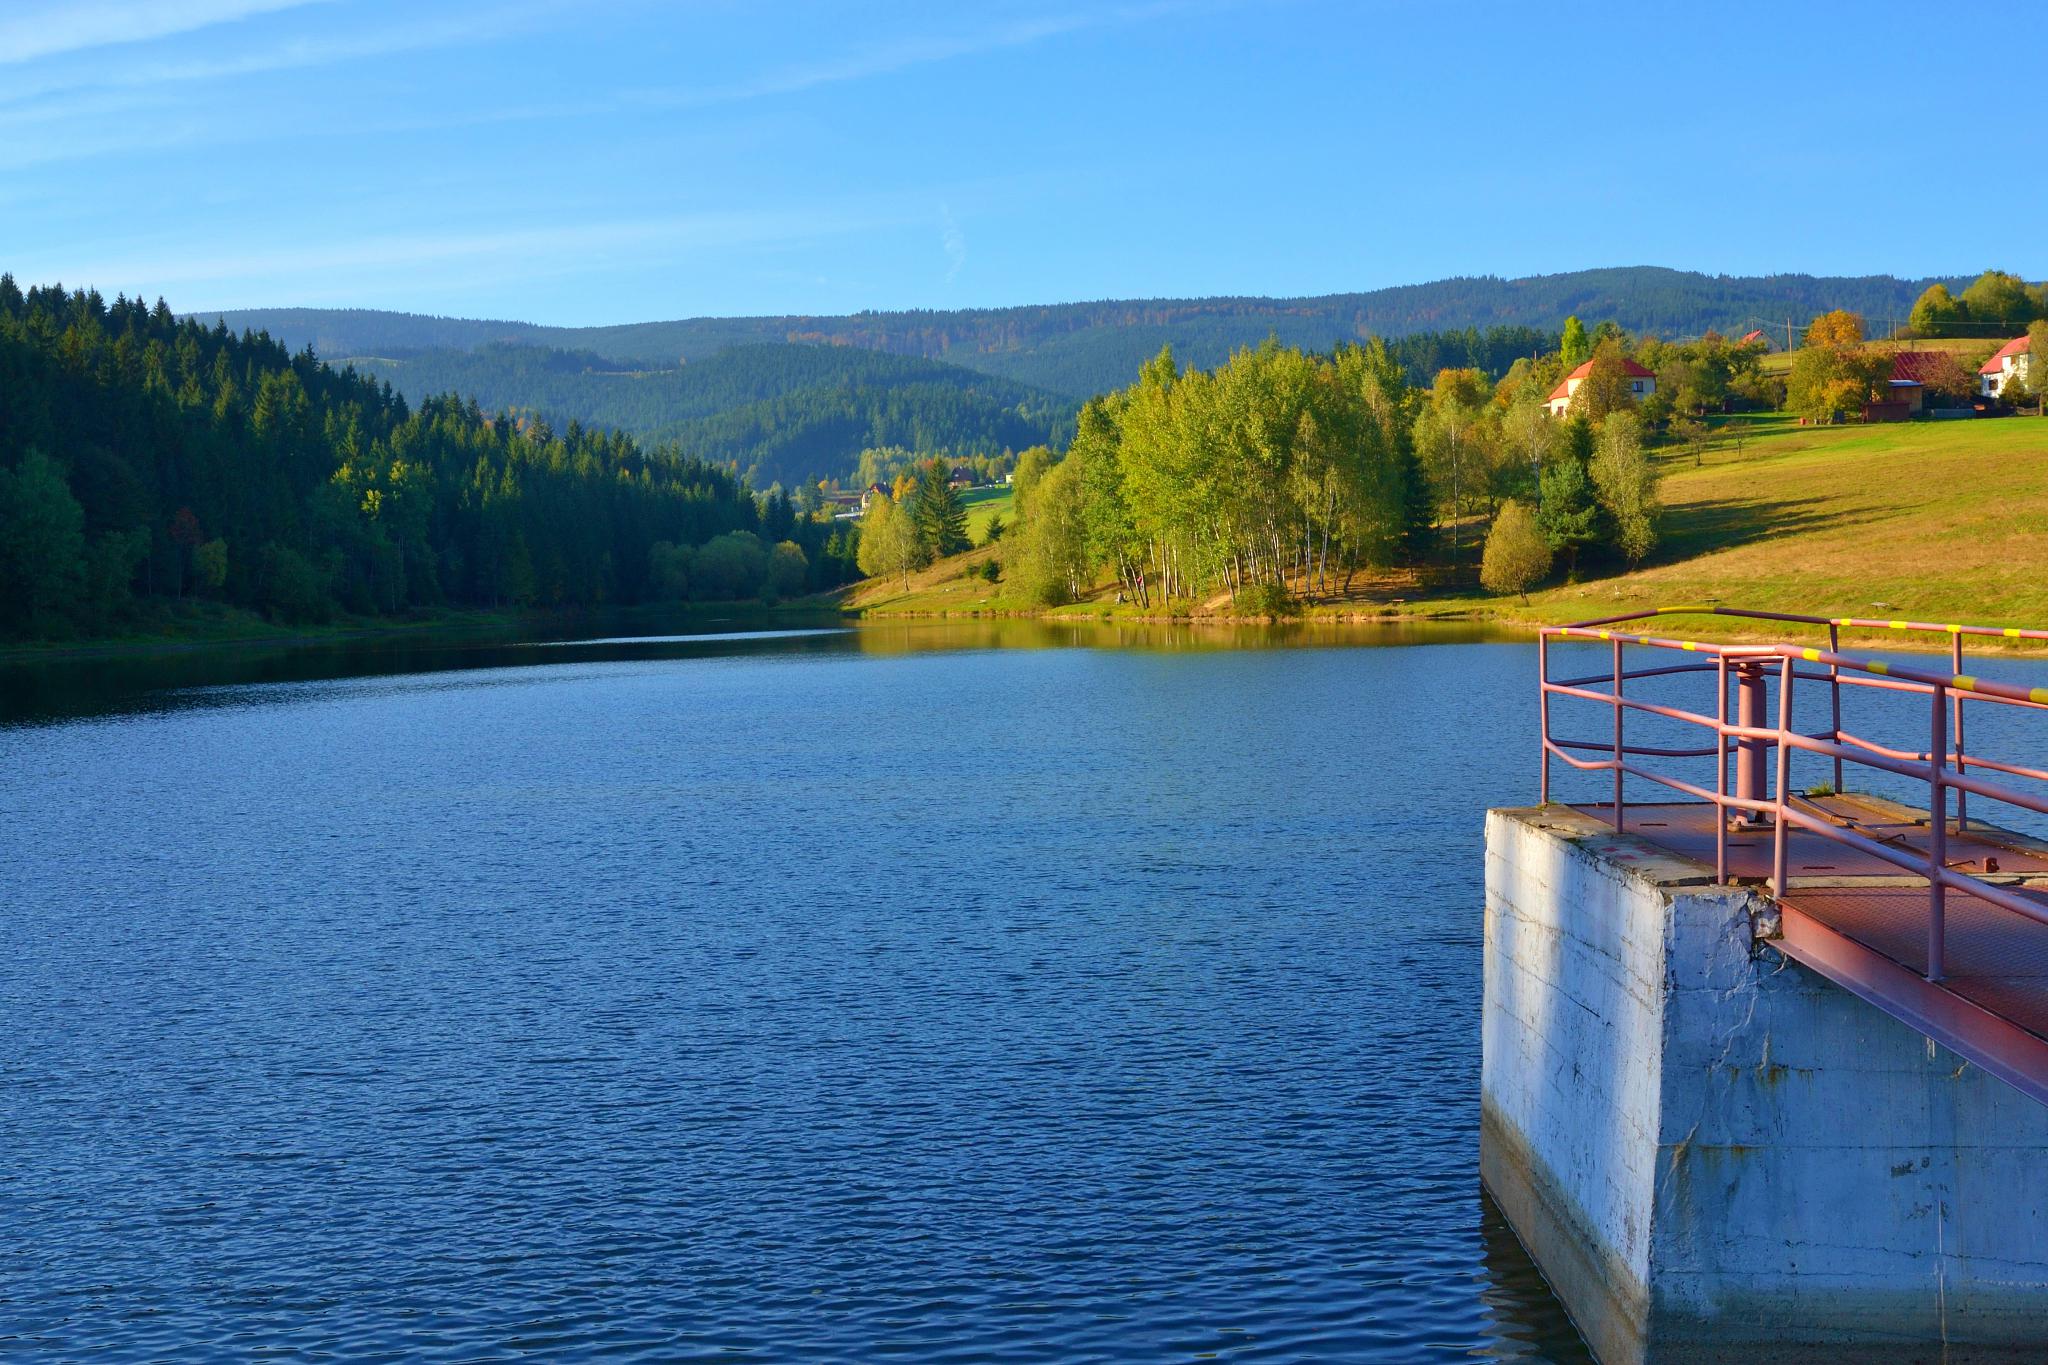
[{"x": 1944, "y": 765}]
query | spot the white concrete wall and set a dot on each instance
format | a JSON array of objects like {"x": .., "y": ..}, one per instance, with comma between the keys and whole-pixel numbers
[
  {"x": 1574, "y": 967},
  {"x": 1717, "y": 1154}
]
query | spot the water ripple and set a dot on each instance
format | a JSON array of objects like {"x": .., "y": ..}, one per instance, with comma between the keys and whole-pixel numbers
[{"x": 1060, "y": 1005}]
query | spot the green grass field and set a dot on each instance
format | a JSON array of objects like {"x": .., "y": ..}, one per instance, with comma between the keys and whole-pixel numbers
[
  {"x": 984, "y": 504},
  {"x": 1931, "y": 520}
]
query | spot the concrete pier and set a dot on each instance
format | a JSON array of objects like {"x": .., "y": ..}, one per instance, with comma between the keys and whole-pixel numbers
[{"x": 1714, "y": 1153}]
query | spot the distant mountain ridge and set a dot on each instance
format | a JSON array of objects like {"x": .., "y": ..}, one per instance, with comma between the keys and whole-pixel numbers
[
  {"x": 1079, "y": 349},
  {"x": 779, "y": 413}
]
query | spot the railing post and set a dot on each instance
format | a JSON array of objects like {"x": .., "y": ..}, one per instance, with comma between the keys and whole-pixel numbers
[
  {"x": 1962, "y": 797},
  {"x": 1781, "y": 835},
  {"x": 1721, "y": 771},
  {"x": 1543, "y": 713},
  {"x": 1937, "y": 821},
  {"x": 1620, "y": 817},
  {"x": 1835, "y": 698},
  {"x": 1749, "y": 751}
]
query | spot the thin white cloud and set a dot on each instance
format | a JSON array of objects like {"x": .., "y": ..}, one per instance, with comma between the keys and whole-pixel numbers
[
  {"x": 309, "y": 50},
  {"x": 54, "y": 27},
  {"x": 889, "y": 58}
]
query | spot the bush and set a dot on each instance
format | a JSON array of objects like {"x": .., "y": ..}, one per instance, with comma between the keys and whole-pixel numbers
[
  {"x": 733, "y": 565},
  {"x": 1267, "y": 599},
  {"x": 787, "y": 569}
]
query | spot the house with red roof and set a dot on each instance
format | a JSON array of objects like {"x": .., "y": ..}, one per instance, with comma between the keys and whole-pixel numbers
[
  {"x": 1755, "y": 338},
  {"x": 1641, "y": 384},
  {"x": 2010, "y": 361}
]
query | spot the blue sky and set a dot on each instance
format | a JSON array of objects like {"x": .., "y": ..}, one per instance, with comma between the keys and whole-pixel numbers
[{"x": 586, "y": 163}]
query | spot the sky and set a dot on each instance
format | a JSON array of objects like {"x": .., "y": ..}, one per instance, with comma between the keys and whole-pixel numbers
[{"x": 586, "y": 163}]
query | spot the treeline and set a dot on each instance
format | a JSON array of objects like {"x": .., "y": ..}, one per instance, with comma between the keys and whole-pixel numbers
[
  {"x": 787, "y": 414},
  {"x": 1276, "y": 467},
  {"x": 1280, "y": 475},
  {"x": 1996, "y": 304},
  {"x": 145, "y": 461}
]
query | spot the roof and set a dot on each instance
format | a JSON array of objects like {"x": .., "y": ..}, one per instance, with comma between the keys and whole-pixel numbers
[
  {"x": 1915, "y": 367},
  {"x": 1748, "y": 337},
  {"x": 1628, "y": 367},
  {"x": 2017, "y": 346}
]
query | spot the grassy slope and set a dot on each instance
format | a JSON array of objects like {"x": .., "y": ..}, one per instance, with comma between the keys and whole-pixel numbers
[
  {"x": 984, "y": 504},
  {"x": 1938, "y": 521}
]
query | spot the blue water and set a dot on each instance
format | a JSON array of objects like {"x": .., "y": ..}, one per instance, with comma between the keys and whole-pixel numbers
[{"x": 901, "y": 994}]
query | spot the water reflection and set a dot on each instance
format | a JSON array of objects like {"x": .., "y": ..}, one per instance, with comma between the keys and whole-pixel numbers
[{"x": 117, "y": 682}]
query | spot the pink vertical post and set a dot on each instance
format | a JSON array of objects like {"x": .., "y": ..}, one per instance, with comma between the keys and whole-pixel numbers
[
  {"x": 1721, "y": 770},
  {"x": 1620, "y": 818},
  {"x": 1749, "y": 751},
  {"x": 1543, "y": 713},
  {"x": 1835, "y": 697},
  {"x": 1937, "y": 823},
  {"x": 1962, "y": 797},
  {"x": 1782, "y": 835}
]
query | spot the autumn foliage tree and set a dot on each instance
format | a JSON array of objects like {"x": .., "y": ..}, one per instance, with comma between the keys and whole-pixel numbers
[
  {"x": 1838, "y": 328},
  {"x": 1832, "y": 373}
]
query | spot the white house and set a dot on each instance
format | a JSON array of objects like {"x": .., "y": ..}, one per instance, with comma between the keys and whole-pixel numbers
[
  {"x": 1641, "y": 384},
  {"x": 2012, "y": 360}
]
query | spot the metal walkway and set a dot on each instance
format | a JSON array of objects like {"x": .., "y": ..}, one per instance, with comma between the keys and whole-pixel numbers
[
  {"x": 1854, "y": 919},
  {"x": 1941, "y": 923}
]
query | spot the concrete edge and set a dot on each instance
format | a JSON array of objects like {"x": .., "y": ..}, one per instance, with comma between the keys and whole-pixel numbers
[{"x": 1602, "y": 1297}]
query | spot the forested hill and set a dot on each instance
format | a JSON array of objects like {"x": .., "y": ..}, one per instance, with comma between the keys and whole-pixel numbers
[
  {"x": 1081, "y": 349},
  {"x": 779, "y": 413},
  {"x": 148, "y": 463}
]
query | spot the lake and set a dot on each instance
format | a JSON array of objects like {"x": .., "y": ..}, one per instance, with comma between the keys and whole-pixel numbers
[{"x": 926, "y": 992}]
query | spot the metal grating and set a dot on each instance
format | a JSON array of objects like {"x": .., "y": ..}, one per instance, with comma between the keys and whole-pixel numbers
[{"x": 1997, "y": 960}]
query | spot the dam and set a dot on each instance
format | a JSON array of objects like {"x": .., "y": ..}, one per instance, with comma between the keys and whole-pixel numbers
[{"x": 1765, "y": 1067}]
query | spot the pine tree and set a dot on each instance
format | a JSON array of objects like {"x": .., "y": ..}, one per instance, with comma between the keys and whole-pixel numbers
[{"x": 940, "y": 517}]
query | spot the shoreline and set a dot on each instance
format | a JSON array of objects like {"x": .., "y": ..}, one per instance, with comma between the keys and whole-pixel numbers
[
  {"x": 485, "y": 627},
  {"x": 1514, "y": 624},
  {"x": 441, "y": 629}
]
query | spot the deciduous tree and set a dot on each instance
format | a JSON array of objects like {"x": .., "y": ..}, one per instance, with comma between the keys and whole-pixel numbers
[
  {"x": 1626, "y": 486},
  {"x": 1574, "y": 346},
  {"x": 1838, "y": 328},
  {"x": 42, "y": 544},
  {"x": 1516, "y": 556}
]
